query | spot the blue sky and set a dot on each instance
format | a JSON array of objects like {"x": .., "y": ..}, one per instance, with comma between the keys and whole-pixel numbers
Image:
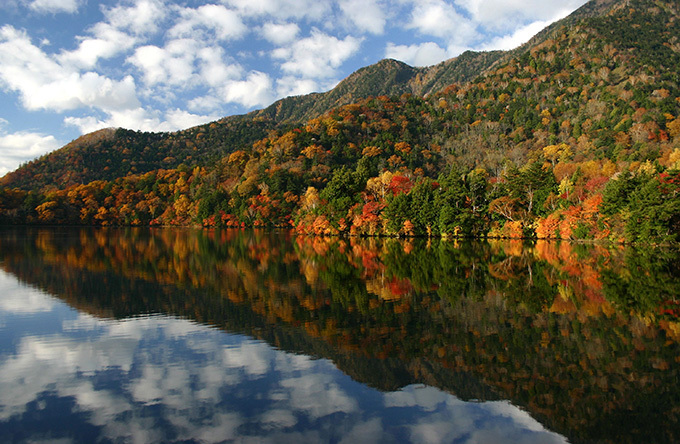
[{"x": 69, "y": 67}]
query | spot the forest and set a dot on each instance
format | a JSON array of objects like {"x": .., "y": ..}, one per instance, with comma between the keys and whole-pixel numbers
[{"x": 574, "y": 136}]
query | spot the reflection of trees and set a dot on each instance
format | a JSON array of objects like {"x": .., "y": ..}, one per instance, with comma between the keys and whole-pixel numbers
[{"x": 584, "y": 337}]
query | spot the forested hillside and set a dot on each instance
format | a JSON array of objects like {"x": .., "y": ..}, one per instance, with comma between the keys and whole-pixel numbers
[{"x": 575, "y": 136}]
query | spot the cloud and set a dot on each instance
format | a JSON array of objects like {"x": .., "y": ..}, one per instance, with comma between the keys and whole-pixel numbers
[
  {"x": 283, "y": 9},
  {"x": 366, "y": 15},
  {"x": 213, "y": 69},
  {"x": 171, "y": 65},
  {"x": 255, "y": 90},
  {"x": 190, "y": 65},
  {"x": 439, "y": 19},
  {"x": 517, "y": 38},
  {"x": 21, "y": 147},
  {"x": 508, "y": 14},
  {"x": 187, "y": 65},
  {"x": 43, "y": 83},
  {"x": 317, "y": 56},
  {"x": 177, "y": 119},
  {"x": 294, "y": 86},
  {"x": 280, "y": 34},
  {"x": 141, "y": 119},
  {"x": 55, "y": 6},
  {"x": 107, "y": 42},
  {"x": 141, "y": 17},
  {"x": 219, "y": 21},
  {"x": 425, "y": 54},
  {"x": 205, "y": 103}
]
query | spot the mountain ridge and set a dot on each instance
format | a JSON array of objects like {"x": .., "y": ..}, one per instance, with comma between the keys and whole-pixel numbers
[{"x": 385, "y": 78}]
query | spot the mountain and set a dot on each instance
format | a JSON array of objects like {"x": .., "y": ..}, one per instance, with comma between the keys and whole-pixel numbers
[
  {"x": 111, "y": 153},
  {"x": 385, "y": 78},
  {"x": 574, "y": 135}
]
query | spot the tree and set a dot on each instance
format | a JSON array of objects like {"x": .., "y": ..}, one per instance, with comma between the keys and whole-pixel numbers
[
  {"x": 341, "y": 193},
  {"x": 531, "y": 186},
  {"x": 453, "y": 201},
  {"x": 655, "y": 209}
]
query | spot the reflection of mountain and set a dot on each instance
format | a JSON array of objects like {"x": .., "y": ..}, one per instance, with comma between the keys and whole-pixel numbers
[{"x": 560, "y": 330}]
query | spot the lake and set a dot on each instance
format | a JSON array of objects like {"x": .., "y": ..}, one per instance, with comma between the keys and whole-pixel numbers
[{"x": 178, "y": 335}]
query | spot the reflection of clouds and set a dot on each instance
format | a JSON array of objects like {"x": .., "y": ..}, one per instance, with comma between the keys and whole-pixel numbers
[
  {"x": 222, "y": 427},
  {"x": 520, "y": 417},
  {"x": 278, "y": 419},
  {"x": 365, "y": 432},
  {"x": 318, "y": 395},
  {"x": 210, "y": 386},
  {"x": 423, "y": 397},
  {"x": 253, "y": 357},
  {"x": 453, "y": 420},
  {"x": 84, "y": 322},
  {"x": 16, "y": 298},
  {"x": 43, "y": 364},
  {"x": 141, "y": 327},
  {"x": 291, "y": 362}
]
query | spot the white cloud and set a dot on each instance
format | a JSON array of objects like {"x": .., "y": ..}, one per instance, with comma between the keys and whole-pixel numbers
[
  {"x": 439, "y": 19},
  {"x": 213, "y": 70},
  {"x": 223, "y": 23},
  {"x": 107, "y": 42},
  {"x": 317, "y": 56},
  {"x": 137, "y": 119},
  {"x": 293, "y": 86},
  {"x": 177, "y": 119},
  {"x": 283, "y": 9},
  {"x": 21, "y": 147},
  {"x": 255, "y": 90},
  {"x": 280, "y": 34},
  {"x": 172, "y": 65},
  {"x": 141, "y": 119},
  {"x": 205, "y": 104},
  {"x": 140, "y": 17},
  {"x": 520, "y": 36},
  {"x": 55, "y": 6},
  {"x": 366, "y": 15},
  {"x": 45, "y": 84},
  {"x": 508, "y": 14},
  {"x": 185, "y": 65},
  {"x": 425, "y": 54}
]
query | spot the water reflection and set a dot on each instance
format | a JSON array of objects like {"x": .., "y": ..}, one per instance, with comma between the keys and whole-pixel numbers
[
  {"x": 161, "y": 379},
  {"x": 583, "y": 338}
]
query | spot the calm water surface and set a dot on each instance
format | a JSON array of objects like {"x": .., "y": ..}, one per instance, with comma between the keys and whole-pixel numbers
[{"x": 143, "y": 335}]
